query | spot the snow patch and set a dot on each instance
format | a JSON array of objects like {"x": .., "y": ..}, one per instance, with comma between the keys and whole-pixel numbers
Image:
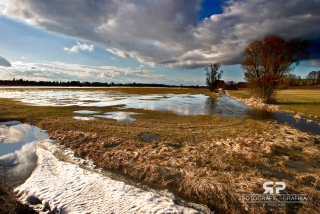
[{"x": 67, "y": 188}]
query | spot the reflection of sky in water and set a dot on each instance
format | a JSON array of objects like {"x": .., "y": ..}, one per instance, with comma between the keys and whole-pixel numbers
[
  {"x": 120, "y": 116},
  {"x": 17, "y": 151},
  {"x": 86, "y": 112},
  {"x": 83, "y": 118},
  {"x": 194, "y": 105},
  {"x": 182, "y": 104}
]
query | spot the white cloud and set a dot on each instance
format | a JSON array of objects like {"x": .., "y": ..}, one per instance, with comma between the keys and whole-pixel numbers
[
  {"x": 58, "y": 71},
  {"x": 118, "y": 52},
  {"x": 314, "y": 62},
  {"x": 83, "y": 47},
  {"x": 169, "y": 32},
  {"x": 141, "y": 67}
]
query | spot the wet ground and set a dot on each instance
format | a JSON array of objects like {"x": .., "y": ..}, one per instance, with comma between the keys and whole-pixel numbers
[
  {"x": 17, "y": 155},
  {"x": 181, "y": 104},
  {"x": 48, "y": 184}
]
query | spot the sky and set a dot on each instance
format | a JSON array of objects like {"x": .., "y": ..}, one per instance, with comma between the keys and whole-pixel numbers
[{"x": 148, "y": 41}]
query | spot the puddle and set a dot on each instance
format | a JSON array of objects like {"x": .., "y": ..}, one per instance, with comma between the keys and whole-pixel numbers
[
  {"x": 120, "y": 116},
  {"x": 86, "y": 112},
  {"x": 83, "y": 118},
  {"x": 17, "y": 153},
  {"x": 10, "y": 123},
  {"x": 302, "y": 124},
  {"x": 147, "y": 137},
  {"x": 181, "y": 104}
]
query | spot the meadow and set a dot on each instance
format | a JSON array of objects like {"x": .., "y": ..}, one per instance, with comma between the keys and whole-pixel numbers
[
  {"x": 204, "y": 158},
  {"x": 305, "y": 101}
]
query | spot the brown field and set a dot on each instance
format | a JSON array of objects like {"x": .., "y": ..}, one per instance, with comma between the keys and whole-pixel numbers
[
  {"x": 205, "y": 159},
  {"x": 305, "y": 100}
]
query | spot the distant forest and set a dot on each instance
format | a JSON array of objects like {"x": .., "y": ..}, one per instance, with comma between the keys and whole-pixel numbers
[
  {"x": 22, "y": 82},
  {"x": 313, "y": 78}
]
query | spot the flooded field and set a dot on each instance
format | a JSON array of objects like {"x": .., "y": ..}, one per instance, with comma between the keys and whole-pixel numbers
[
  {"x": 46, "y": 183},
  {"x": 181, "y": 104},
  {"x": 17, "y": 154},
  {"x": 188, "y": 144}
]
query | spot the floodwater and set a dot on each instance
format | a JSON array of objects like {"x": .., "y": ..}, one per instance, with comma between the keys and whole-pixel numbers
[
  {"x": 119, "y": 116},
  {"x": 49, "y": 184},
  {"x": 182, "y": 104},
  {"x": 17, "y": 157}
]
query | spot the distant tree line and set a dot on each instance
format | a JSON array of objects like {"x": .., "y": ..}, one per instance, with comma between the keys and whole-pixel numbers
[
  {"x": 313, "y": 78},
  {"x": 22, "y": 82},
  {"x": 214, "y": 82}
]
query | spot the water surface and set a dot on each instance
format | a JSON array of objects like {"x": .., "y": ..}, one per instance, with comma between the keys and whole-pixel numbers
[
  {"x": 181, "y": 104},
  {"x": 17, "y": 152}
]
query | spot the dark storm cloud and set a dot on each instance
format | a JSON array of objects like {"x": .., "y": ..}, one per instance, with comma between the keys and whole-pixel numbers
[{"x": 168, "y": 32}]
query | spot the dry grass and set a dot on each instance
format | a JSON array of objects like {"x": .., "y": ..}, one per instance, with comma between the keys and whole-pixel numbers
[
  {"x": 215, "y": 172},
  {"x": 9, "y": 203},
  {"x": 303, "y": 101},
  {"x": 206, "y": 159}
]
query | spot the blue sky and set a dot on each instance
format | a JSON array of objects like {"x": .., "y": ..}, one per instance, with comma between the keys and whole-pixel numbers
[{"x": 151, "y": 41}]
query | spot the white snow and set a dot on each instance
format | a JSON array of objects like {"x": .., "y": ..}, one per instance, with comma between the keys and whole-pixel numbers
[
  {"x": 67, "y": 188},
  {"x": 4, "y": 62}
]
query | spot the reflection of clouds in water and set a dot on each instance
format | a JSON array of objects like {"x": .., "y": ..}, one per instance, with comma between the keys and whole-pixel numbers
[
  {"x": 41, "y": 136},
  {"x": 4, "y": 133},
  {"x": 21, "y": 163},
  {"x": 83, "y": 118},
  {"x": 85, "y": 112},
  {"x": 17, "y": 152},
  {"x": 56, "y": 97},
  {"x": 16, "y": 134},
  {"x": 26, "y": 127},
  {"x": 120, "y": 116}
]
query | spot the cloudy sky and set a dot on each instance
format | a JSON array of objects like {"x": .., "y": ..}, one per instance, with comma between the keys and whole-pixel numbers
[{"x": 156, "y": 41}]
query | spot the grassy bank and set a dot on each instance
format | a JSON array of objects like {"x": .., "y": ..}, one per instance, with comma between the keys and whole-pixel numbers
[
  {"x": 9, "y": 204},
  {"x": 206, "y": 159},
  {"x": 305, "y": 101}
]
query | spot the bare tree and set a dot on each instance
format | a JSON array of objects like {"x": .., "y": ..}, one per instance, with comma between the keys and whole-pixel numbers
[
  {"x": 268, "y": 59},
  {"x": 213, "y": 76}
]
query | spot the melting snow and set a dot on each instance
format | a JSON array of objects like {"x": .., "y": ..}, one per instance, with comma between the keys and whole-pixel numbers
[{"x": 66, "y": 188}]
